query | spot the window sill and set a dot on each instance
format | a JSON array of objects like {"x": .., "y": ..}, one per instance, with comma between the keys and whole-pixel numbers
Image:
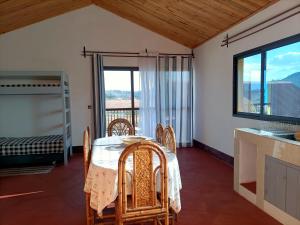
[{"x": 280, "y": 119}]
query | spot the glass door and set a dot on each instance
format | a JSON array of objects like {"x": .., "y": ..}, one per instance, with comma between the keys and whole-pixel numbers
[{"x": 122, "y": 94}]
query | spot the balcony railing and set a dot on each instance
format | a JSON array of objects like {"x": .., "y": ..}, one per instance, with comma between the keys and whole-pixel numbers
[
  {"x": 256, "y": 107},
  {"x": 131, "y": 114}
]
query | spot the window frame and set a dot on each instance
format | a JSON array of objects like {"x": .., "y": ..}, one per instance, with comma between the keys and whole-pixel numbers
[
  {"x": 260, "y": 50},
  {"x": 132, "y": 69}
]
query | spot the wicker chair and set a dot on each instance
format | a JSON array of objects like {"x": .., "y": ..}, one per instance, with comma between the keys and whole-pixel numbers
[
  {"x": 169, "y": 139},
  {"x": 119, "y": 127},
  {"x": 143, "y": 204},
  {"x": 159, "y": 132},
  {"x": 92, "y": 218},
  {"x": 86, "y": 163}
]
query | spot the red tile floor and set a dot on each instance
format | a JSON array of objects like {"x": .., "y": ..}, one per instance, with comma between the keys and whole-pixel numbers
[{"x": 57, "y": 198}]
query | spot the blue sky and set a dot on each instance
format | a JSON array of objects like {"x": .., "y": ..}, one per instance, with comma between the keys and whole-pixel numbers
[{"x": 281, "y": 62}]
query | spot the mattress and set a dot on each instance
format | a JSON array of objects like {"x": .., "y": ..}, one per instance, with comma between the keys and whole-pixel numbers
[{"x": 31, "y": 145}]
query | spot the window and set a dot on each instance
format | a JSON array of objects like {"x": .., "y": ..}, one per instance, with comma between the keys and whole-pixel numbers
[
  {"x": 267, "y": 82},
  {"x": 122, "y": 93},
  {"x": 249, "y": 81},
  {"x": 282, "y": 85}
]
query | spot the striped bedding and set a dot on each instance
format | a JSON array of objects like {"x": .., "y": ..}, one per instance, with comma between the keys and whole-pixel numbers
[{"x": 31, "y": 145}]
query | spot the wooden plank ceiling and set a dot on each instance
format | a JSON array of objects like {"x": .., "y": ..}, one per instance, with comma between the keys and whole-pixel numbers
[
  {"x": 19, "y": 13},
  {"x": 188, "y": 22}
]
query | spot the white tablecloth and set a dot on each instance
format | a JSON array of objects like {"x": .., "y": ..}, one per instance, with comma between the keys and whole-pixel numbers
[{"x": 102, "y": 177}]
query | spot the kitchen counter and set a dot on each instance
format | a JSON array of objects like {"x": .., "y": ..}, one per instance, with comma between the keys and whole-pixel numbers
[
  {"x": 273, "y": 134},
  {"x": 252, "y": 149}
]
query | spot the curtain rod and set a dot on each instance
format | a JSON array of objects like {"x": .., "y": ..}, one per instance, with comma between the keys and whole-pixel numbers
[
  {"x": 227, "y": 41},
  {"x": 122, "y": 56},
  {"x": 85, "y": 53}
]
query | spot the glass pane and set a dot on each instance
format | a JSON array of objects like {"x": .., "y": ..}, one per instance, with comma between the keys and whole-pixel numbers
[
  {"x": 137, "y": 88},
  {"x": 117, "y": 89},
  {"x": 249, "y": 84},
  {"x": 137, "y": 97},
  {"x": 282, "y": 86},
  {"x": 117, "y": 95}
]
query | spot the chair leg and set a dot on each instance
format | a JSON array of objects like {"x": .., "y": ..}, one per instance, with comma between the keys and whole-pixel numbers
[
  {"x": 118, "y": 217},
  {"x": 172, "y": 216},
  {"x": 167, "y": 219},
  {"x": 92, "y": 217},
  {"x": 87, "y": 214},
  {"x": 173, "y": 219},
  {"x": 89, "y": 217}
]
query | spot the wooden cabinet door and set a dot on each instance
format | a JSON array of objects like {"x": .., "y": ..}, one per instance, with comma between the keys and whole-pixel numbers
[
  {"x": 268, "y": 174},
  {"x": 275, "y": 182},
  {"x": 293, "y": 191}
]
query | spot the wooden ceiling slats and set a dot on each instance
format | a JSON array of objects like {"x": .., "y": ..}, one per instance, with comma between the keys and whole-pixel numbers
[
  {"x": 207, "y": 12},
  {"x": 174, "y": 19},
  {"x": 157, "y": 25},
  {"x": 260, "y": 3},
  {"x": 234, "y": 6},
  {"x": 192, "y": 16},
  {"x": 27, "y": 14},
  {"x": 251, "y": 5},
  {"x": 214, "y": 8},
  {"x": 12, "y": 6},
  {"x": 154, "y": 21},
  {"x": 189, "y": 22},
  {"x": 177, "y": 18}
]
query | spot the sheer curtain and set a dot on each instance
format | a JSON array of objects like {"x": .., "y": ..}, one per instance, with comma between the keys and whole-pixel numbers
[
  {"x": 166, "y": 96},
  {"x": 148, "y": 74}
]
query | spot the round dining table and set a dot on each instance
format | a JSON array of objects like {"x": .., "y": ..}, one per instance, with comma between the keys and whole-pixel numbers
[{"x": 102, "y": 177}]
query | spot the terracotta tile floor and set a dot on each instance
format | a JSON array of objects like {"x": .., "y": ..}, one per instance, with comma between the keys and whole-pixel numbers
[
  {"x": 251, "y": 186},
  {"x": 207, "y": 196}
]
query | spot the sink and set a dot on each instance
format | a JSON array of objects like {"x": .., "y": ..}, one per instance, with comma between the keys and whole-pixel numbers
[
  {"x": 273, "y": 132},
  {"x": 286, "y": 136},
  {"x": 277, "y": 133}
]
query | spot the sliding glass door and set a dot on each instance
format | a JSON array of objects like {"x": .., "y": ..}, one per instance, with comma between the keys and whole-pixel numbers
[{"x": 122, "y": 94}]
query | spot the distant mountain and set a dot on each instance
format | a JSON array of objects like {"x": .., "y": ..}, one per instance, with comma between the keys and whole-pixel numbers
[
  {"x": 293, "y": 78},
  {"x": 119, "y": 94}
]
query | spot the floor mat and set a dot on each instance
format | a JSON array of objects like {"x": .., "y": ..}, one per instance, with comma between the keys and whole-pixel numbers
[{"x": 25, "y": 170}]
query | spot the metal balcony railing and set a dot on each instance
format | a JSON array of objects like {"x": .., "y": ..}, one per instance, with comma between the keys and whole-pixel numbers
[{"x": 131, "y": 114}]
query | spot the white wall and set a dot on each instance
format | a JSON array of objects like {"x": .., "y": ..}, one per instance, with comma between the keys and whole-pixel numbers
[
  {"x": 55, "y": 44},
  {"x": 30, "y": 115},
  {"x": 214, "y": 123}
]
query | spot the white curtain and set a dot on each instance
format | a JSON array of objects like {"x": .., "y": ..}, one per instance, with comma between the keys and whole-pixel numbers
[
  {"x": 148, "y": 73},
  {"x": 166, "y": 96}
]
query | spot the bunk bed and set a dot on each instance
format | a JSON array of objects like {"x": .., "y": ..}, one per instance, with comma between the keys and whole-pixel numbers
[{"x": 37, "y": 148}]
